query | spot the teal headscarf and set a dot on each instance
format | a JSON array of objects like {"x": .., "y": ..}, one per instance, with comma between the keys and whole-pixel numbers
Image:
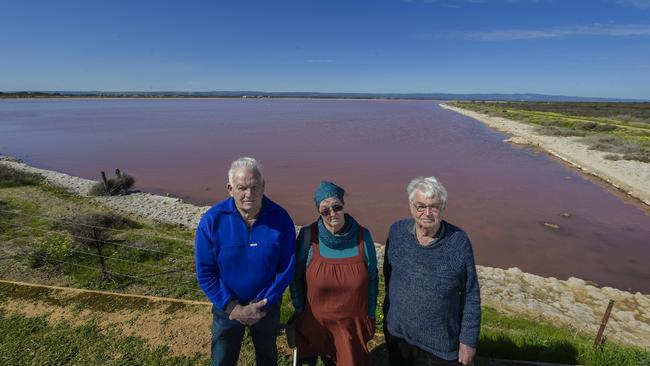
[{"x": 326, "y": 190}]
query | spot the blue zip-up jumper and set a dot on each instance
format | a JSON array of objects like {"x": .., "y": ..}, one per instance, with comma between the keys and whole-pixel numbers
[{"x": 234, "y": 262}]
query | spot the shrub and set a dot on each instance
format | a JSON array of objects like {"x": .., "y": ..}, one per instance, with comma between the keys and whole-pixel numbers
[
  {"x": 558, "y": 131},
  {"x": 37, "y": 258},
  {"x": 612, "y": 144},
  {"x": 613, "y": 157},
  {"x": 596, "y": 127},
  {"x": 119, "y": 184},
  {"x": 10, "y": 177},
  {"x": 642, "y": 155}
]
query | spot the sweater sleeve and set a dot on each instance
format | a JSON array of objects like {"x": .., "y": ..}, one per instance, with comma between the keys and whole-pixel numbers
[
  {"x": 207, "y": 269},
  {"x": 297, "y": 288},
  {"x": 286, "y": 264},
  {"x": 471, "y": 303},
  {"x": 373, "y": 284}
]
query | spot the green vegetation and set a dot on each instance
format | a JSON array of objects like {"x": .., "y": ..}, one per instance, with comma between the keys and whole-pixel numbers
[
  {"x": 14, "y": 178},
  {"x": 119, "y": 184},
  {"x": 143, "y": 258},
  {"x": 516, "y": 338},
  {"x": 32, "y": 341},
  {"x": 622, "y": 129}
]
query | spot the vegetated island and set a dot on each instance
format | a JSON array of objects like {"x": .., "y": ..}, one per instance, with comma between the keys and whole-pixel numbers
[
  {"x": 147, "y": 249},
  {"x": 608, "y": 140}
]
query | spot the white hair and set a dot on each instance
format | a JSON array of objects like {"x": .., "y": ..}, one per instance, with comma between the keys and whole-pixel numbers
[
  {"x": 430, "y": 187},
  {"x": 245, "y": 163}
]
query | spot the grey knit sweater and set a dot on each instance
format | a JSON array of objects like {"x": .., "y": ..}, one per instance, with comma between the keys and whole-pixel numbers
[{"x": 432, "y": 293}]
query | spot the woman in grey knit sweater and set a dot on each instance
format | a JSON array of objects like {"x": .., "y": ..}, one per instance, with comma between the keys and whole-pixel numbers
[{"x": 432, "y": 309}]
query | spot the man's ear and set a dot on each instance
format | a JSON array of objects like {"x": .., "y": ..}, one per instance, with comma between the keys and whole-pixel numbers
[{"x": 230, "y": 189}]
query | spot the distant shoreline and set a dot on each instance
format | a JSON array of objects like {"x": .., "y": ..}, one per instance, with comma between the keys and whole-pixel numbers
[
  {"x": 253, "y": 94},
  {"x": 631, "y": 177}
]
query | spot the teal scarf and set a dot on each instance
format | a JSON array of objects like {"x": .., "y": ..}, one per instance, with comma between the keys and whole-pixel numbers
[{"x": 335, "y": 241}]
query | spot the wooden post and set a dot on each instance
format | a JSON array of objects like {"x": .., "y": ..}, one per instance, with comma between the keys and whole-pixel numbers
[
  {"x": 105, "y": 181},
  {"x": 603, "y": 324}
]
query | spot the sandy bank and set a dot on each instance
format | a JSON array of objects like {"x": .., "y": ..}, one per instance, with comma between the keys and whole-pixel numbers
[
  {"x": 633, "y": 177},
  {"x": 572, "y": 303}
]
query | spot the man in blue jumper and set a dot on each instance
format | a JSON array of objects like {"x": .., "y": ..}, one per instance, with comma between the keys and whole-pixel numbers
[
  {"x": 432, "y": 308},
  {"x": 245, "y": 253}
]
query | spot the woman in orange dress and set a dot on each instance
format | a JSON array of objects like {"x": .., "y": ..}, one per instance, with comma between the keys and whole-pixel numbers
[{"x": 335, "y": 289}]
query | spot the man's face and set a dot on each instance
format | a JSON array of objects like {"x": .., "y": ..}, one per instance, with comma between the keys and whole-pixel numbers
[
  {"x": 247, "y": 189},
  {"x": 427, "y": 212}
]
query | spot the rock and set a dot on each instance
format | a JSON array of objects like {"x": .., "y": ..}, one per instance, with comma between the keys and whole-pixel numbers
[
  {"x": 575, "y": 282},
  {"x": 518, "y": 141}
]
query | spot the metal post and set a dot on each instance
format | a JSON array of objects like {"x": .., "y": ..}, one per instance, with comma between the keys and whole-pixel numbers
[{"x": 603, "y": 324}]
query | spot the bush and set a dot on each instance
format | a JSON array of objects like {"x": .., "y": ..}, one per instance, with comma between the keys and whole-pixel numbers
[
  {"x": 642, "y": 155},
  {"x": 558, "y": 131},
  {"x": 613, "y": 144},
  {"x": 117, "y": 185},
  {"x": 37, "y": 258},
  {"x": 596, "y": 127},
  {"x": 10, "y": 177},
  {"x": 613, "y": 157}
]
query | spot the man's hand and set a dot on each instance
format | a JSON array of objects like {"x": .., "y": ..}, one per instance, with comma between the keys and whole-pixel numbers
[
  {"x": 249, "y": 314},
  {"x": 465, "y": 354}
]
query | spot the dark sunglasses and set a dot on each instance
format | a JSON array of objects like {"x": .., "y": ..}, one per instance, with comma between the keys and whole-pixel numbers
[{"x": 335, "y": 208}]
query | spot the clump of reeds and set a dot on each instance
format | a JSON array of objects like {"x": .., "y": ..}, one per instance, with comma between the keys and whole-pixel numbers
[{"x": 120, "y": 184}]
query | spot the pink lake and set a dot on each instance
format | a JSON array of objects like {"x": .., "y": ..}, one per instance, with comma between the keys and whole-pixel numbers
[{"x": 501, "y": 195}]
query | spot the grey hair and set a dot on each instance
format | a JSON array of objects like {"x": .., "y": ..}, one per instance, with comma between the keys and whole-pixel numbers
[
  {"x": 430, "y": 187},
  {"x": 245, "y": 163}
]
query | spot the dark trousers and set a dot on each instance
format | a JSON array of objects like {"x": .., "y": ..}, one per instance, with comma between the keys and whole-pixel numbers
[
  {"x": 227, "y": 336},
  {"x": 402, "y": 353}
]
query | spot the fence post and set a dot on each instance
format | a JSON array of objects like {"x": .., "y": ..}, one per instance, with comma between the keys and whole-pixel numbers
[
  {"x": 603, "y": 324},
  {"x": 105, "y": 181}
]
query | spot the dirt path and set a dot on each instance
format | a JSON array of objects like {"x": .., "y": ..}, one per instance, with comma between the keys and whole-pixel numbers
[{"x": 182, "y": 325}]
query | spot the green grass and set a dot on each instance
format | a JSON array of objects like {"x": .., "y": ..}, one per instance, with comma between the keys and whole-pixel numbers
[
  {"x": 521, "y": 339},
  {"x": 14, "y": 178},
  {"x": 32, "y": 341},
  {"x": 625, "y": 126}
]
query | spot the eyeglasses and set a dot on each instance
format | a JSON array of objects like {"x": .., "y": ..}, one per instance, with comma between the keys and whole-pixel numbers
[
  {"x": 433, "y": 208},
  {"x": 326, "y": 211}
]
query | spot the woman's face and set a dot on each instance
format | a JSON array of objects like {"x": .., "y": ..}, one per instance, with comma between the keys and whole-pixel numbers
[{"x": 331, "y": 210}]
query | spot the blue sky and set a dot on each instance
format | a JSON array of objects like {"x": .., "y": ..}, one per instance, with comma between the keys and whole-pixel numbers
[{"x": 597, "y": 48}]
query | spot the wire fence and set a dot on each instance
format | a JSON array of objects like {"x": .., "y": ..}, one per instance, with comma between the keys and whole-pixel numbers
[
  {"x": 69, "y": 221},
  {"x": 137, "y": 278},
  {"x": 140, "y": 247},
  {"x": 150, "y": 270}
]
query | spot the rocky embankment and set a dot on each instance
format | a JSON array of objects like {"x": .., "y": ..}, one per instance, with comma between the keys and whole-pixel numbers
[
  {"x": 630, "y": 176},
  {"x": 572, "y": 304}
]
